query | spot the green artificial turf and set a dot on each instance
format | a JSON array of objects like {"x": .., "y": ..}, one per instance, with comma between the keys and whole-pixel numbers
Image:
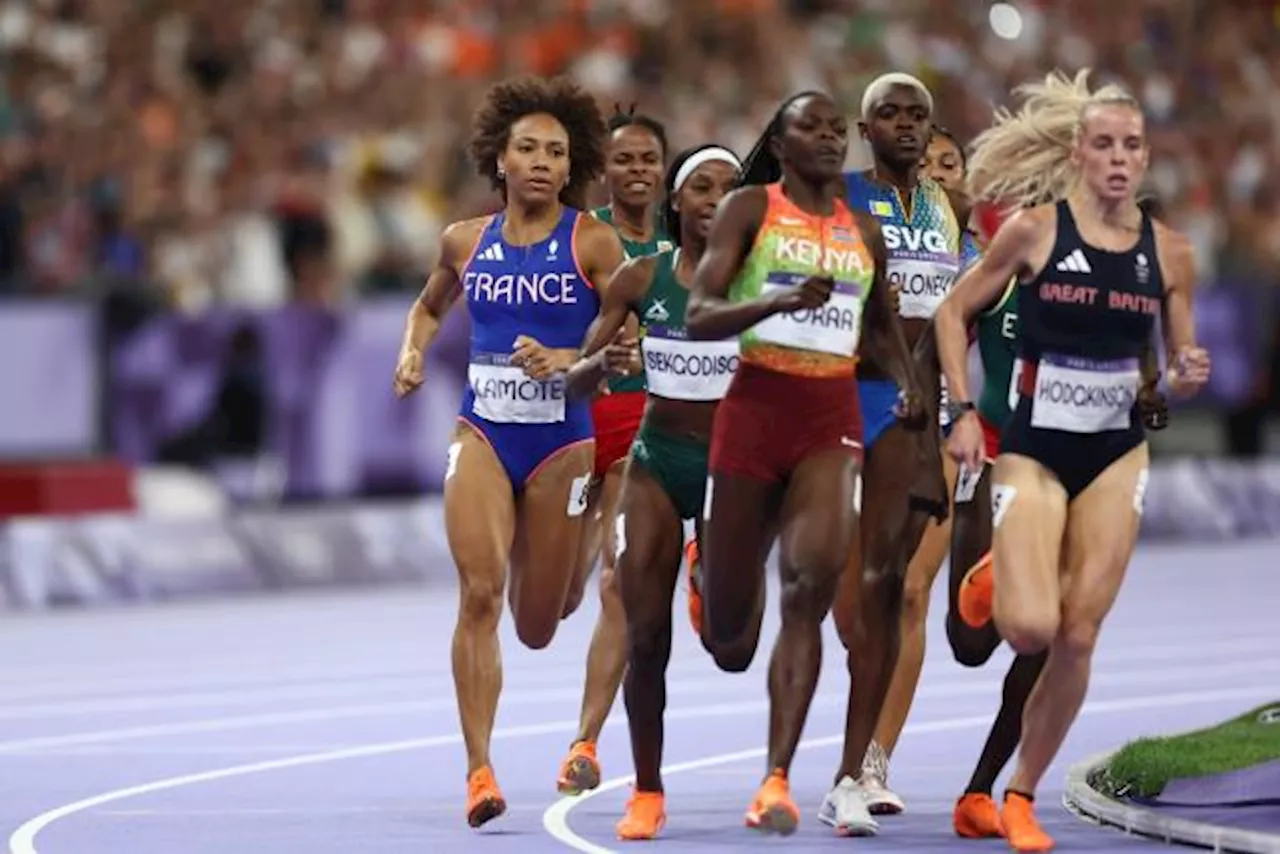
[{"x": 1144, "y": 767}]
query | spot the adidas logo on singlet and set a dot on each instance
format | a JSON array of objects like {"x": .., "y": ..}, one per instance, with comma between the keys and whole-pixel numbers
[
  {"x": 1075, "y": 263},
  {"x": 493, "y": 253}
]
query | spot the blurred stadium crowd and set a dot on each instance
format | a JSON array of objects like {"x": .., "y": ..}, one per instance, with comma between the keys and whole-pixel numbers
[{"x": 252, "y": 152}]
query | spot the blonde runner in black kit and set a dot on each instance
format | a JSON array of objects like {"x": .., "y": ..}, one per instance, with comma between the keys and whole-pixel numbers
[{"x": 1068, "y": 486}]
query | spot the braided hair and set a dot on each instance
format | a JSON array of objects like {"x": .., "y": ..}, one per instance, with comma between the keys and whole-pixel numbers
[
  {"x": 630, "y": 118},
  {"x": 761, "y": 165}
]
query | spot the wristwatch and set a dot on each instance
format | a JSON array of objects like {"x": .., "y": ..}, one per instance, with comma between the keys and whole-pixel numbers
[{"x": 957, "y": 408}]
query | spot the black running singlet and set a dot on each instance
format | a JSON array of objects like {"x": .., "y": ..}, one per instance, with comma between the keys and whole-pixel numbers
[
  {"x": 1083, "y": 323},
  {"x": 1088, "y": 302}
]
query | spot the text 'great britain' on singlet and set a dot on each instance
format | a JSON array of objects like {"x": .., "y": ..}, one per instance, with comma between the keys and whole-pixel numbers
[
  {"x": 676, "y": 367},
  {"x": 923, "y": 245},
  {"x": 790, "y": 247},
  {"x": 1083, "y": 323},
  {"x": 537, "y": 290}
]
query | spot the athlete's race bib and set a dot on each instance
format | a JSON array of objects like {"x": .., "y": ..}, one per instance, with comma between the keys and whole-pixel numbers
[
  {"x": 1083, "y": 395},
  {"x": 832, "y": 328},
  {"x": 505, "y": 395},
  {"x": 679, "y": 369},
  {"x": 1015, "y": 381},
  {"x": 922, "y": 285}
]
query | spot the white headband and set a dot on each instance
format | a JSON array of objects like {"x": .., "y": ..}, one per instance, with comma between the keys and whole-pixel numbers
[
  {"x": 879, "y": 87},
  {"x": 714, "y": 154}
]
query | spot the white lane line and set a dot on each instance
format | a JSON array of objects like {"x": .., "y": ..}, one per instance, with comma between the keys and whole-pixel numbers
[
  {"x": 80, "y": 699},
  {"x": 556, "y": 818},
  {"x": 555, "y": 696},
  {"x": 22, "y": 841}
]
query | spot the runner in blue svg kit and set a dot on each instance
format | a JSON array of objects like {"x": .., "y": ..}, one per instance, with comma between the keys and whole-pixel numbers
[{"x": 884, "y": 593}]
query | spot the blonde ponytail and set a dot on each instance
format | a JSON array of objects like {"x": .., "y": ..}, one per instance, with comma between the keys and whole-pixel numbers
[{"x": 1024, "y": 158}]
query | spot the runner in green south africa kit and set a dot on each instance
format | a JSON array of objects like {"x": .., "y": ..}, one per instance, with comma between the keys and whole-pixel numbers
[{"x": 664, "y": 483}]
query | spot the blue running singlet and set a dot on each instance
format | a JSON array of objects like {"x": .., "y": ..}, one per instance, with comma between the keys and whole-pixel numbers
[
  {"x": 538, "y": 291},
  {"x": 924, "y": 252}
]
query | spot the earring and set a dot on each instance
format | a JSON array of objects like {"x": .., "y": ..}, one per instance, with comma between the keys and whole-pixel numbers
[{"x": 502, "y": 173}]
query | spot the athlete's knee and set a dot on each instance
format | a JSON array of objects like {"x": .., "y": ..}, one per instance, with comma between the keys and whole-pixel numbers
[
  {"x": 883, "y": 586},
  {"x": 807, "y": 594},
  {"x": 725, "y": 628},
  {"x": 609, "y": 588},
  {"x": 1078, "y": 631},
  {"x": 1029, "y": 631},
  {"x": 480, "y": 600},
  {"x": 970, "y": 647},
  {"x": 536, "y": 632},
  {"x": 915, "y": 598},
  {"x": 733, "y": 656}
]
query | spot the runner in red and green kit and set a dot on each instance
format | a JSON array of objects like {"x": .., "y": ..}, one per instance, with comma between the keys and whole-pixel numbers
[{"x": 634, "y": 164}]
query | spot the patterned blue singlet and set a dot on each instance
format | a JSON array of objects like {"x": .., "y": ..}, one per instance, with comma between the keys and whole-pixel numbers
[{"x": 924, "y": 261}]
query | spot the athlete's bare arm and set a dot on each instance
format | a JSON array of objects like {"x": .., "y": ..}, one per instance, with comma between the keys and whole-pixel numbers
[
  {"x": 1022, "y": 238},
  {"x": 599, "y": 252},
  {"x": 710, "y": 315},
  {"x": 608, "y": 348},
  {"x": 1149, "y": 365},
  {"x": 443, "y": 287},
  {"x": 1188, "y": 364},
  {"x": 886, "y": 340}
]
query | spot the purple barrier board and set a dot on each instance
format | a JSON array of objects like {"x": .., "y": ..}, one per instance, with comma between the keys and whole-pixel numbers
[
  {"x": 334, "y": 421},
  {"x": 48, "y": 379},
  {"x": 341, "y": 433}
]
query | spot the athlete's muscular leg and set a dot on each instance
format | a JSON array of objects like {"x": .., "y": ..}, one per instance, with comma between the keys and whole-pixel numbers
[
  {"x": 891, "y": 531},
  {"x": 738, "y": 531},
  {"x": 818, "y": 515},
  {"x": 648, "y": 567},
  {"x": 1029, "y": 513},
  {"x": 970, "y": 541},
  {"x": 921, "y": 571},
  {"x": 479, "y": 515},
  {"x": 607, "y": 655},
  {"x": 548, "y": 528},
  {"x": 1102, "y": 528}
]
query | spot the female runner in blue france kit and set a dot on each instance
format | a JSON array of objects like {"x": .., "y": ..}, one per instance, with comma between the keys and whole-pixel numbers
[
  {"x": 883, "y": 599},
  {"x": 666, "y": 475},
  {"x": 1094, "y": 271},
  {"x": 520, "y": 462}
]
